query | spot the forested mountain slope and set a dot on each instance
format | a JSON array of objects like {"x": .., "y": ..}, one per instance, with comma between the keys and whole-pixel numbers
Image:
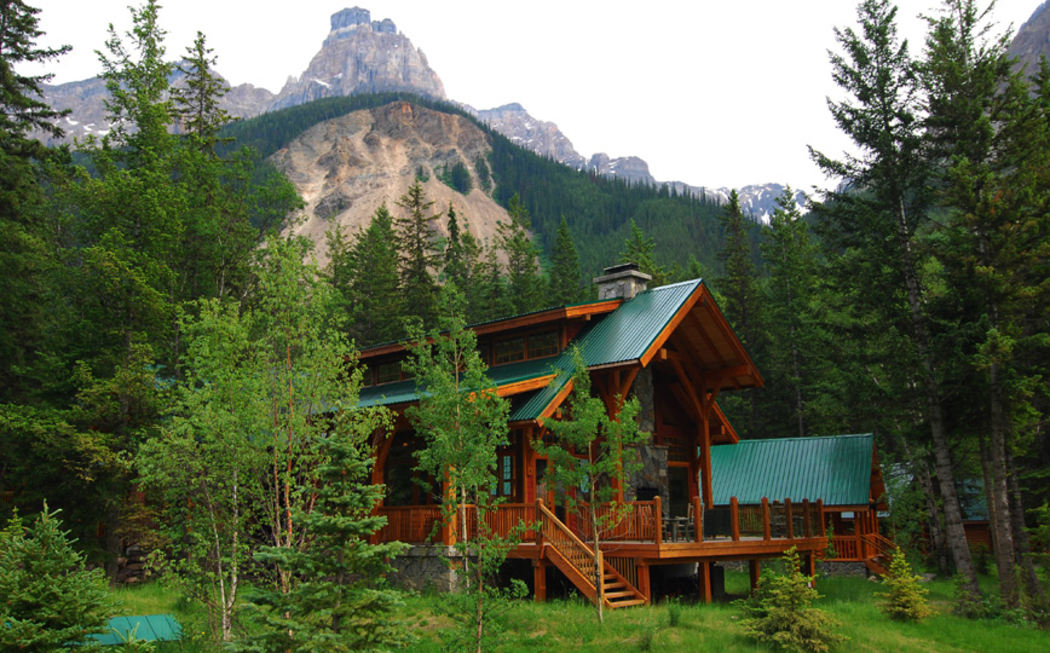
[{"x": 598, "y": 210}]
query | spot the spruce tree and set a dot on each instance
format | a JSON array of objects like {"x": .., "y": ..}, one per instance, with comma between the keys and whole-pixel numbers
[
  {"x": 197, "y": 104},
  {"x": 21, "y": 248},
  {"x": 50, "y": 599},
  {"x": 524, "y": 284},
  {"x": 564, "y": 281},
  {"x": 419, "y": 253},
  {"x": 640, "y": 250},
  {"x": 456, "y": 269},
  {"x": 880, "y": 216}
]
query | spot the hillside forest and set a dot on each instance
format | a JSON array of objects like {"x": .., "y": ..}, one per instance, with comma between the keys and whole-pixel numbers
[{"x": 161, "y": 337}]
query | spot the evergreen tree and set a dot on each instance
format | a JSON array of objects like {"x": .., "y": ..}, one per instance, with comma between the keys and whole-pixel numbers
[
  {"x": 456, "y": 269},
  {"x": 51, "y": 600},
  {"x": 565, "y": 273},
  {"x": 339, "y": 599},
  {"x": 524, "y": 284},
  {"x": 791, "y": 260},
  {"x": 365, "y": 275},
  {"x": 880, "y": 218},
  {"x": 197, "y": 104},
  {"x": 419, "y": 254},
  {"x": 740, "y": 289},
  {"x": 990, "y": 142},
  {"x": 640, "y": 250},
  {"x": 21, "y": 249}
]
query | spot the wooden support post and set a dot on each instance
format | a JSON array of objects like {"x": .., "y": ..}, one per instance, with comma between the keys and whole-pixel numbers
[
  {"x": 539, "y": 580},
  {"x": 539, "y": 525},
  {"x": 807, "y": 520},
  {"x": 820, "y": 511},
  {"x": 644, "y": 584},
  {"x": 448, "y": 528},
  {"x": 766, "y": 535},
  {"x": 734, "y": 518},
  {"x": 698, "y": 520},
  {"x": 703, "y": 569},
  {"x": 754, "y": 568},
  {"x": 658, "y": 519},
  {"x": 811, "y": 567},
  {"x": 790, "y": 519}
]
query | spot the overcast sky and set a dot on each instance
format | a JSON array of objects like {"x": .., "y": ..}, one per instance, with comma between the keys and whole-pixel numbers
[{"x": 708, "y": 92}]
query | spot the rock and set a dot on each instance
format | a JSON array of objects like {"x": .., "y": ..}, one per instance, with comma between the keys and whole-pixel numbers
[{"x": 543, "y": 138}]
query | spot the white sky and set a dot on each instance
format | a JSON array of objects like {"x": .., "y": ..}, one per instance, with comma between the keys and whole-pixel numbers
[{"x": 710, "y": 93}]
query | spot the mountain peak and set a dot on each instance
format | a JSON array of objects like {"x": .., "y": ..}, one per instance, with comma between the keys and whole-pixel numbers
[{"x": 347, "y": 20}]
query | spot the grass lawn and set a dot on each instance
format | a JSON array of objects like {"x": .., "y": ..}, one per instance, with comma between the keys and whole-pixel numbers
[{"x": 570, "y": 625}]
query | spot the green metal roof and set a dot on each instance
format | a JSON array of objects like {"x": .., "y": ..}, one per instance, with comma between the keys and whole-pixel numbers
[
  {"x": 621, "y": 336},
  {"x": 836, "y": 469},
  {"x": 628, "y": 332},
  {"x": 150, "y": 628},
  {"x": 405, "y": 391}
]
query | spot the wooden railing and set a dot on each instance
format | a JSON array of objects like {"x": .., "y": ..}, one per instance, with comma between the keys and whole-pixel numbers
[
  {"x": 845, "y": 547},
  {"x": 633, "y": 521},
  {"x": 506, "y": 519},
  {"x": 578, "y": 555},
  {"x": 626, "y": 567},
  {"x": 411, "y": 524},
  {"x": 787, "y": 520},
  {"x": 880, "y": 545}
]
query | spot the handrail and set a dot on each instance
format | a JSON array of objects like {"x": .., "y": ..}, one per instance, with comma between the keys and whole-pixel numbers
[
  {"x": 883, "y": 545},
  {"x": 572, "y": 548}
]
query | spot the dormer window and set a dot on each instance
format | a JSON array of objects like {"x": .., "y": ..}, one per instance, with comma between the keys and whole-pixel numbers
[
  {"x": 388, "y": 372},
  {"x": 543, "y": 344},
  {"x": 508, "y": 351}
]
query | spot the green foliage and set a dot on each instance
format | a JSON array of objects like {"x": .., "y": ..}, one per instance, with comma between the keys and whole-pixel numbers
[
  {"x": 337, "y": 599},
  {"x": 481, "y": 168},
  {"x": 418, "y": 251},
  {"x": 779, "y": 613},
  {"x": 906, "y": 598},
  {"x": 592, "y": 450},
  {"x": 524, "y": 284},
  {"x": 463, "y": 421},
  {"x": 674, "y": 612},
  {"x": 456, "y": 177},
  {"x": 50, "y": 599},
  {"x": 639, "y": 250},
  {"x": 564, "y": 276}
]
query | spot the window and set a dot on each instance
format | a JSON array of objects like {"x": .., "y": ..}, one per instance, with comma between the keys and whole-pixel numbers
[
  {"x": 543, "y": 344},
  {"x": 508, "y": 351},
  {"x": 366, "y": 376},
  {"x": 388, "y": 372},
  {"x": 484, "y": 351}
]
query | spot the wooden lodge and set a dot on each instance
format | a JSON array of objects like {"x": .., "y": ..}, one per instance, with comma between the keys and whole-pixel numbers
[{"x": 673, "y": 349}]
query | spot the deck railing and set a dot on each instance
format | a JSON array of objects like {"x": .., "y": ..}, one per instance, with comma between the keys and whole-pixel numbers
[
  {"x": 578, "y": 554},
  {"x": 632, "y": 521},
  {"x": 642, "y": 521},
  {"x": 843, "y": 547}
]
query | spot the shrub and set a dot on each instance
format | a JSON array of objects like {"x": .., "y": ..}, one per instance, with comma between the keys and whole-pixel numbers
[
  {"x": 48, "y": 598},
  {"x": 906, "y": 599},
  {"x": 779, "y": 612},
  {"x": 674, "y": 612}
]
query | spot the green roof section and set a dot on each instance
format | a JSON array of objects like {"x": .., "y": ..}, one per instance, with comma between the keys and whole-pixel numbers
[
  {"x": 628, "y": 332},
  {"x": 149, "y": 628},
  {"x": 836, "y": 469},
  {"x": 621, "y": 336},
  {"x": 401, "y": 392}
]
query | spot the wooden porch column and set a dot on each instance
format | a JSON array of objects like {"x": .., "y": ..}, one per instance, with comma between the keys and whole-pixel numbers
[
  {"x": 448, "y": 528},
  {"x": 528, "y": 455},
  {"x": 790, "y": 519},
  {"x": 705, "y": 457},
  {"x": 811, "y": 567},
  {"x": 734, "y": 518},
  {"x": 539, "y": 580},
  {"x": 754, "y": 568},
  {"x": 644, "y": 583},
  {"x": 703, "y": 570},
  {"x": 766, "y": 534}
]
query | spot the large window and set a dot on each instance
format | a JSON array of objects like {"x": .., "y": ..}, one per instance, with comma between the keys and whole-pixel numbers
[
  {"x": 388, "y": 372},
  {"x": 543, "y": 344},
  {"x": 508, "y": 351}
]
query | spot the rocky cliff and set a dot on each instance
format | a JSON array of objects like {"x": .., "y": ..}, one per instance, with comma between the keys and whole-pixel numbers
[
  {"x": 347, "y": 167},
  {"x": 543, "y": 138},
  {"x": 1032, "y": 41}
]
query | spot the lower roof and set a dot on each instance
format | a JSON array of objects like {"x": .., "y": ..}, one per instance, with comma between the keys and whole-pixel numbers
[{"x": 838, "y": 469}]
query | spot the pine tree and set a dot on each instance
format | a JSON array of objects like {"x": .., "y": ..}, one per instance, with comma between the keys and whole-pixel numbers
[
  {"x": 881, "y": 216},
  {"x": 456, "y": 269},
  {"x": 640, "y": 250},
  {"x": 524, "y": 284},
  {"x": 21, "y": 249},
  {"x": 51, "y": 600},
  {"x": 419, "y": 254},
  {"x": 906, "y": 599},
  {"x": 197, "y": 104},
  {"x": 990, "y": 142},
  {"x": 338, "y": 599},
  {"x": 565, "y": 272}
]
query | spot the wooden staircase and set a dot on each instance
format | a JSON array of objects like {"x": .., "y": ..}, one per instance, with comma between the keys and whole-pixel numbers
[
  {"x": 582, "y": 565},
  {"x": 884, "y": 550}
]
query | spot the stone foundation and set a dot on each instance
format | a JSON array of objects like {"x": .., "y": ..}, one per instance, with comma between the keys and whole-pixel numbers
[
  {"x": 842, "y": 568},
  {"x": 421, "y": 567}
]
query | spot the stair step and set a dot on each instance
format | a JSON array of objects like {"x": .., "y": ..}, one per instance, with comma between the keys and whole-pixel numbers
[
  {"x": 614, "y": 586},
  {"x": 618, "y": 595},
  {"x": 626, "y": 604}
]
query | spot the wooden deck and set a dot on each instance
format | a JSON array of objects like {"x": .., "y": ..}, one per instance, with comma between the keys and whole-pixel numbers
[{"x": 644, "y": 538}]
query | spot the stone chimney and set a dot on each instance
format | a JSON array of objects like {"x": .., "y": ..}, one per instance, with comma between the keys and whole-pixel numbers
[{"x": 624, "y": 280}]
